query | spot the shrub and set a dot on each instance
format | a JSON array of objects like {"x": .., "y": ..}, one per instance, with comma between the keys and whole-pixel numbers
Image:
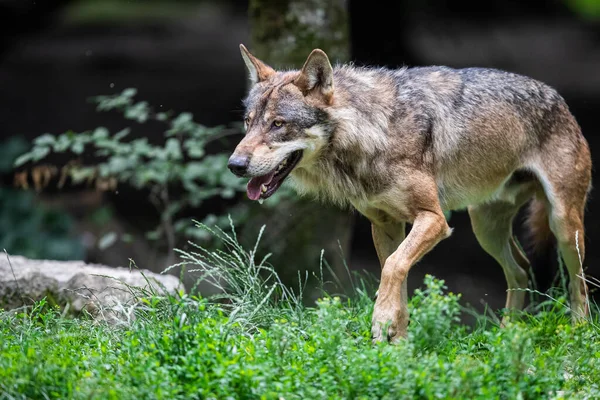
[
  {"x": 181, "y": 161},
  {"x": 185, "y": 346}
]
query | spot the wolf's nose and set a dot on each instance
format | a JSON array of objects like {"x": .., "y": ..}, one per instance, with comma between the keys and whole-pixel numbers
[{"x": 238, "y": 164}]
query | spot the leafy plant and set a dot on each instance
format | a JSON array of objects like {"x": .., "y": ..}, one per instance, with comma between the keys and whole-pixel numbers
[
  {"x": 437, "y": 316},
  {"x": 180, "y": 163},
  {"x": 255, "y": 343}
]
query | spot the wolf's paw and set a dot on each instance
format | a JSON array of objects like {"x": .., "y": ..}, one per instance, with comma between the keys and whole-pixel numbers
[{"x": 389, "y": 324}]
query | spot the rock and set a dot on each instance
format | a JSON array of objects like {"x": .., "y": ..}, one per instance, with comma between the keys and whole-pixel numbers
[{"x": 106, "y": 292}]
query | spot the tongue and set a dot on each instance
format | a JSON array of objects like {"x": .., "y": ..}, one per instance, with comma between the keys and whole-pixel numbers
[{"x": 253, "y": 188}]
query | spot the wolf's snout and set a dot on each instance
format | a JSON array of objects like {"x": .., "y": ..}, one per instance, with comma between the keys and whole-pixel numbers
[{"x": 238, "y": 164}]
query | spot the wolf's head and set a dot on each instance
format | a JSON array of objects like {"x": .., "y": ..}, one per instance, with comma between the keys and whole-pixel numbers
[{"x": 285, "y": 120}]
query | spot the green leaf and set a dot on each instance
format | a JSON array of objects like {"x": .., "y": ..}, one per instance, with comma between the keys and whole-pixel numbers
[
  {"x": 122, "y": 133},
  {"x": 194, "y": 170},
  {"x": 62, "y": 143},
  {"x": 138, "y": 112},
  {"x": 129, "y": 92},
  {"x": 198, "y": 234},
  {"x": 127, "y": 238},
  {"x": 181, "y": 225},
  {"x": 103, "y": 153},
  {"x": 201, "y": 194},
  {"x": 77, "y": 147},
  {"x": 229, "y": 180},
  {"x": 227, "y": 193},
  {"x": 100, "y": 133},
  {"x": 173, "y": 149},
  {"x": 154, "y": 235},
  {"x": 153, "y": 176},
  {"x": 183, "y": 123},
  {"x": 40, "y": 152},
  {"x": 107, "y": 240},
  {"x": 195, "y": 148},
  {"x": 22, "y": 159},
  {"x": 117, "y": 165},
  {"x": 183, "y": 118},
  {"x": 162, "y": 116},
  {"x": 44, "y": 140},
  {"x": 142, "y": 147}
]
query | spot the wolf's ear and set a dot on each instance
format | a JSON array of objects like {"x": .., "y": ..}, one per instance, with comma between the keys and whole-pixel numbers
[
  {"x": 316, "y": 74},
  {"x": 259, "y": 71}
]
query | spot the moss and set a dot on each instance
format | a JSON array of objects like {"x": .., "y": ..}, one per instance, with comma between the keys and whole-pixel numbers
[{"x": 285, "y": 32}]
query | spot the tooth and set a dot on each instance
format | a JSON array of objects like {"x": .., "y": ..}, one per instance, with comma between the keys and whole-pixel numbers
[{"x": 263, "y": 188}]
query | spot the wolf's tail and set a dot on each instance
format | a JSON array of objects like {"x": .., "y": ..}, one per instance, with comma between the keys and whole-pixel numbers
[
  {"x": 538, "y": 225},
  {"x": 541, "y": 243}
]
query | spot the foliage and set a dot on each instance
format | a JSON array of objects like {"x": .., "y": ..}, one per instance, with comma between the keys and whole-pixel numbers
[
  {"x": 589, "y": 9},
  {"x": 190, "y": 347},
  {"x": 180, "y": 163},
  {"x": 30, "y": 229}
]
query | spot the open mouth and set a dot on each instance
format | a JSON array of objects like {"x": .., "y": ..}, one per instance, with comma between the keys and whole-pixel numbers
[{"x": 262, "y": 187}]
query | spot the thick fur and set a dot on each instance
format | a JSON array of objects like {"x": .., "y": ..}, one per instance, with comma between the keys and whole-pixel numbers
[{"x": 401, "y": 146}]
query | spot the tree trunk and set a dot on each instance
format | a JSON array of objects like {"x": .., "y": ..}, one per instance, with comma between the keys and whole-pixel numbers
[{"x": 284, "y": 32}]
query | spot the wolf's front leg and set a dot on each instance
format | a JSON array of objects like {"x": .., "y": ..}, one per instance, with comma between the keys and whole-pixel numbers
[
  {"x": 390, "y": 315},
  {"x": 387, "y": 238}
]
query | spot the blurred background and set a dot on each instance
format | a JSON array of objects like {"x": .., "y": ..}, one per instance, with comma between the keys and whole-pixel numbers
[{"x": 106, "y": 200}]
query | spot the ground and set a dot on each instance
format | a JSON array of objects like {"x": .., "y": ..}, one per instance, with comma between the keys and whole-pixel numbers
[{"x": 260, "y": 340}]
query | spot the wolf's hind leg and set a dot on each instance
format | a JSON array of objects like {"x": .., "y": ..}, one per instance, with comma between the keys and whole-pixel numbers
[
  {"x": 567, "y": 203},
  {"x": 564, "y": 169},
  {"x": 569, "y": 231},
  {"x": 387, "y": 238},
  {"x": 492, "y": 225}
]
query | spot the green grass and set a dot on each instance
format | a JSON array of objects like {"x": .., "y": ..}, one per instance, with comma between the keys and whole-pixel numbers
[{"x": 260, "y": 341}]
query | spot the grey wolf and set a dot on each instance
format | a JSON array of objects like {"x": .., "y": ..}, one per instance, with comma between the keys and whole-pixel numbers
[{"x": 402, "y": 146}]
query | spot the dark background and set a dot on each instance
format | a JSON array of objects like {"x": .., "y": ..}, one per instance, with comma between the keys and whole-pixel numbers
[{"x": 184, "y": 55}]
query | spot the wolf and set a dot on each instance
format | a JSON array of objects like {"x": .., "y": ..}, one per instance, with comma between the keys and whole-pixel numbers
[{"x": 404, "y": 145}]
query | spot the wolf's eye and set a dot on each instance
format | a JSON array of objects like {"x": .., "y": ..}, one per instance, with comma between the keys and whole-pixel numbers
[
  {"x": 278, "y": 123},
  {"x": 247, "y": 121}
]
